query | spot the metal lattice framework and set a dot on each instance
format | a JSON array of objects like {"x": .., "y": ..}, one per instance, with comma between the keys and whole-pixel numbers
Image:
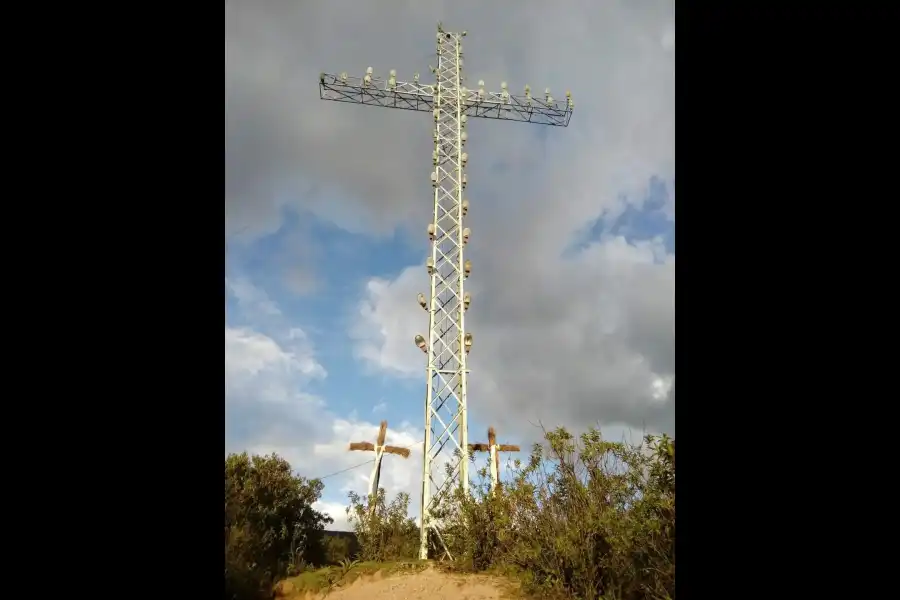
[{"x": 448, "y": 343}]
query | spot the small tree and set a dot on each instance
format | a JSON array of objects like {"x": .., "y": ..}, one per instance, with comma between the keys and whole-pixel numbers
[
  {"x": 387, "y": 532},
  {"x": 269, "y": 523}
]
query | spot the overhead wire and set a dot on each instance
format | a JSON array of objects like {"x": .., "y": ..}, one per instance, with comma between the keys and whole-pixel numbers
[{"x": 371, "y": 460}]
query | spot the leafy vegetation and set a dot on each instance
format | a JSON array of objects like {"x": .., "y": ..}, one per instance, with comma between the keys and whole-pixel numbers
[
  {"x": 271, "y": 527},
  {"x": 385, "y": 531},
  {"x": 582, "y": 518},
  {"x": 338, "y": 548}
]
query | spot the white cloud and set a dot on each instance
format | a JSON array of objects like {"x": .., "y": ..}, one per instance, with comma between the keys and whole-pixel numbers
[
  {"x": 268, "y": 408},
  {"x": 338, "y": 512},
  {"x": 251, "y": 299},
  {"x": 268, "y": 411},
  {"x": 248, "y": 354},
  {"x": 384, "y": 313},
  {"x": 576, "y": 341},
  {"x": 567, "y": 342},
  {"x": 345, "y": 471},
  {"x": 265, "y": 382},
  {"x": 286, "y": 148}
]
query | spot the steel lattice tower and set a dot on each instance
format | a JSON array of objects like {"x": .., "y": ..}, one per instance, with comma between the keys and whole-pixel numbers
[{"x": 448, "y": 343}]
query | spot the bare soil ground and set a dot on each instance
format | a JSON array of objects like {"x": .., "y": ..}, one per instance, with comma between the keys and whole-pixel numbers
[{"x": 429, "y": 584}]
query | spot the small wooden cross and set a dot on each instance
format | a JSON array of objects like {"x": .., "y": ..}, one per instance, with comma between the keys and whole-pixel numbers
[
  {"x": 379, "y": 448},
  {"x": 494, "y": 448}
]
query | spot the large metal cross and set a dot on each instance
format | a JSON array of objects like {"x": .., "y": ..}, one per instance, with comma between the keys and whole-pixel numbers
[{"x": 447, "y": 343}]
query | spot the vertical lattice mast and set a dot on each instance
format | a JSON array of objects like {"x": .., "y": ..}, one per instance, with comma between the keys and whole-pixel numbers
[
  {"x": 446, "y": 422},
  {"x": 448, "y": 343}
]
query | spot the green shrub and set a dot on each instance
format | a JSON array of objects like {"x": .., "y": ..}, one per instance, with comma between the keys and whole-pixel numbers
[
  {"x": 590, "y": 520},
  {"x": 337, "y": 549},
  {"x": 582, "y": 518},
  {"x": 270, "y": 525},
  {"x": 386, "y": 532}
]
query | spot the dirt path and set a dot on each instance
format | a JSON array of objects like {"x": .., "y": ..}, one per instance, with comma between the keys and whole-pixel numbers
[{"x": 425, "y": 585}]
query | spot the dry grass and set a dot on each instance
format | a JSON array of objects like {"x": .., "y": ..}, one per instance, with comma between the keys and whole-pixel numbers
[
  {"x": 414, "y": 580},
  {"x": 328, "y": 579},
  {"x": 370, "y": 447}
]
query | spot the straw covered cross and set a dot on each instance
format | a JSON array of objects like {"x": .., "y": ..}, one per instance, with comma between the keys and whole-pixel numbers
[
  {"x": 495, "y": 449},
  {"x": 379, "y": 449}
]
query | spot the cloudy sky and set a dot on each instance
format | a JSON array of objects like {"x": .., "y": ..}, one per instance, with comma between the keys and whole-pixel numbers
[{"x": 327, "y": 203}]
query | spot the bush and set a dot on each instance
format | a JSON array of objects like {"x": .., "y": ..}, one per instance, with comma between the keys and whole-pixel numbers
[
  {"x": 270, "y": 524},
  {"x": 591, "y": 520},
  {"x": 387, "y": 532},
  {"x": 337, "y": 549},
  {"x": 583, "y": 518}
]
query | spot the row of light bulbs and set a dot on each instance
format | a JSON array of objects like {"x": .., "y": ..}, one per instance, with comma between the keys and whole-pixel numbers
[
  {"x": 434, "y": 179},
  {"x": 504, "y": 90},
  {"x": 367, "y": 78},
  {"x": 467, "y": 298},
  {"x": 467, "y": 267},
  {"x": 436, "y": 155},
  {"x": 438, "y": 151},
  {"x": 463, "y": 136},
  {"x": 429, "y": 263},
  {"x": 465, "y": 233},
  {"x": 423, "y": 345}
]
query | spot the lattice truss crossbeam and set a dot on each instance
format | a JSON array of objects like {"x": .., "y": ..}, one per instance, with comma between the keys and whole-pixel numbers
[
  {"x": 451, "y": 105},
  {"x": 412, "y": 95}
]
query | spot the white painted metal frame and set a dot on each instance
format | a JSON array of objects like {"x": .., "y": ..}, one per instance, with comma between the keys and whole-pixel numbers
[
  {"x": 495, "y": 475},
  {"x": 407, "y": 95},
  {"x": 446, "y": 367},
  {"x": 451, "y": 104},
  {"x": 375, "y": 477}
]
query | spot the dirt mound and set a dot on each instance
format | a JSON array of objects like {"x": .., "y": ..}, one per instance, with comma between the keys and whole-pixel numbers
[
  {"x": 284, "y": 588},
  {"x": 430, "y": 584}
]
